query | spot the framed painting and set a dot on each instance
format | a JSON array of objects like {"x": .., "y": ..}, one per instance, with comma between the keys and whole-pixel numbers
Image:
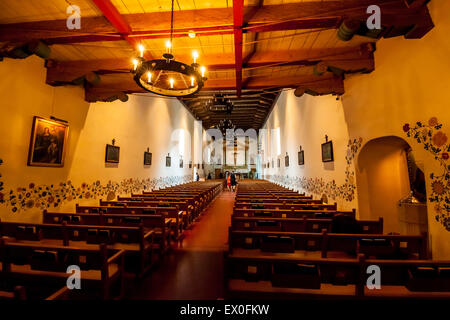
[
  {"x": 147, "y": 158},
  {"x": 112, "y": 154},
  {"x": 278, "y": 163},
  {"x": 190, "y": 164},
  {"x": 168, "y": 161},
  {"x": 301, "y": 158},
  {"x": 48, "y": 143},
  {"x": 181, "y": 163},
  {"x": 327, "y": 151},
  {"x": 286, "y": 160}
]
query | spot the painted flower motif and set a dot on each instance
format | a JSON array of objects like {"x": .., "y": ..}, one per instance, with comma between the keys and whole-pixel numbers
[
  {"x": 433, "y": 121},
  {"x": 69, "y": 198},
  {"x": 438, "y": 187},
  {"x": 445, "y": 156},
  {"x": 29, "y": 204},
  {"x": 439, "y": 139},
  {"x": 87, "y": 195},
  {"x": 83, "y": 185},
  {"x": 438, "y": 209},
  {"x": 50, "y": 199},
  {"x": 31, "y": 185},
  {"x": 406, "y": 127}
]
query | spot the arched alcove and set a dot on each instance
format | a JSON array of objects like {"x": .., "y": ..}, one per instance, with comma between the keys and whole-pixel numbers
[{"x": 383, "y": 180}]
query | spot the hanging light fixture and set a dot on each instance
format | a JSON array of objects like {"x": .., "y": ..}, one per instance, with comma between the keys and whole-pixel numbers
[{"x": 167, "y": 76}]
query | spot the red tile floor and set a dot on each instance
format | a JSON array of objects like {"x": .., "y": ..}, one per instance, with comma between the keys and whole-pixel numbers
[{"x": 194, "y": 270}]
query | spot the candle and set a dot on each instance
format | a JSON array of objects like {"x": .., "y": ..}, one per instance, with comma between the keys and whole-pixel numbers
[
  {"x": 141, "y": 50},
  {"x": 135, "y": 63},
  {"x": 192, "y": 81},
  {"x": 171, "y": 83},
  {"x": 195, "y": 55},
  {"x": 149, "y": 75},
  {"x": 168, "y": 45},
  {"x": 203, "y": 69}
]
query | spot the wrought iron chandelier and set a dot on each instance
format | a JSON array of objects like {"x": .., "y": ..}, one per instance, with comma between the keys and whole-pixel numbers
[
  {"x": 225, "y": 124},
  {"x": 168, "y": 77},
  {"x": 219, "y": 104}
]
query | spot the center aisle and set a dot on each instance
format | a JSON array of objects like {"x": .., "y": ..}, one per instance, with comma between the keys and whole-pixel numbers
[{"x": 195, "y": 270}]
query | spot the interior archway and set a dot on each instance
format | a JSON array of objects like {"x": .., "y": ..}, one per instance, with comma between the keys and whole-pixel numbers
[{"x": 385, "y": 184}]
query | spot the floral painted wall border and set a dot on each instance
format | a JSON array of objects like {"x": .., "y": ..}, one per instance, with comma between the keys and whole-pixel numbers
[
  {"x": 54, "y": 195},
  {"x": 319, "y": 186},
  {"x": 435, "y": 142}
]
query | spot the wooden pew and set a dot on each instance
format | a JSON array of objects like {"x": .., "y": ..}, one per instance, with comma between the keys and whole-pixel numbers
[
  {"x": 137, "y": 242},
  {"x": 335, "y": 245},
  {"x": 300, "y": 225},
  {"x": 158, "y": 223},
  {"x": 287, "y": 213},
  {"x": 188, "y": 210},
  {"x": 101, "y": 269},
  {"x": 172, "y": 213},
  {"x": 286, "y": 206},
  {"x": 280, "y": 277}
]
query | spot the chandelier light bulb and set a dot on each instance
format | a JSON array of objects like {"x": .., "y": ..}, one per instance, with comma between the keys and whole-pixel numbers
[
  {"x": 203, "y": 69},
  {"x": 141, "y": 50},
  {"x": 195, "y": 55},
  {"x": 168, "y": 46},
  {"x": 149, "y": 75},
  {"x": 135, "y": 63},
  {"x": 192, "y": 81},
  {"x": 171, "y": 83}
]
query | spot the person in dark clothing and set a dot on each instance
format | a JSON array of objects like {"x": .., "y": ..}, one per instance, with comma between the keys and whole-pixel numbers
[
  {"x": 209, "y": 176},
  {"x": 197, "y": 177},
  {"x": 233, "y": 181}
]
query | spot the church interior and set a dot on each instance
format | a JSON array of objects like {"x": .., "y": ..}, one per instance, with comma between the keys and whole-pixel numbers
[{"x": 224, "y": 149}]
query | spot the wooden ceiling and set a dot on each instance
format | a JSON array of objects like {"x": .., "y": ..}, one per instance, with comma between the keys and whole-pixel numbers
[{"x": 252, "y": 49}]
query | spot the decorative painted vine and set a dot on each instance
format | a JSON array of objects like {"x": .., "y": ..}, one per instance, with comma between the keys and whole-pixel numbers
[
  {"x": 319, "y": 186},
  {"x": 435, "y": 141},
  {"x": 52, "y": 196}
]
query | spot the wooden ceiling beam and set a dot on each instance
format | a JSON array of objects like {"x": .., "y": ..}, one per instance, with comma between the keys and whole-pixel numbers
[
  {"x": 353, "y": 58},
  {"x": 238, "y": 20},
  {"x": 212, "y": 21}
]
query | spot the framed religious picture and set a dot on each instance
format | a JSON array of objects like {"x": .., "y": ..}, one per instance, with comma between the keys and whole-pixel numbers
[
  {"x": 48, "y": 143},
  {"x": 112, "y": 153},
  {"x": 278, "y": 163},
  {"x": 273, "y": 163},
  {"x": 301, "y": 157},
  {"x": 181, "y": 163},
  {"x": 286, "y": 160},
  {"x": 190, "y": 164},
  {"x": 327, "y": 151},
  {"x": 147, "y": 158},
  {"x": 168, "y": 161}
]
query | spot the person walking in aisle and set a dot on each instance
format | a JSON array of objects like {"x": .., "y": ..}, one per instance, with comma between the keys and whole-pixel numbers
[
  {"x": 233, "y": 181},
  {"x": 228, "y": 181}
]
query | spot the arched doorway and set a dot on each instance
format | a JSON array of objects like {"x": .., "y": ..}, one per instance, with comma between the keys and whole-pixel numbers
[{"x": 386, "y": 173}]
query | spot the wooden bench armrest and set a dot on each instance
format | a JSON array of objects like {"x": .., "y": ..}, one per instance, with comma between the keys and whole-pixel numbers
[
  {"x": 60, "y": 294},
  {"x": 149, "y": 234},
  {"x": 116, "y": 256}
]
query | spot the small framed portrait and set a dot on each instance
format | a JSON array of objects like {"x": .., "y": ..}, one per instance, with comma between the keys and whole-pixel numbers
[
  {"x": 168, "y": 161},
  {"x": 48, "y": 143},
  {"x": 301, "y": 158},
  {"x": 273, "y": 164},
  {"x": 147, "y": 158},
  {"x": 181, "y": 163},
  {"x": 190, "y": 164},
  {"x": 278, "y": 163},
  {"x": 112, "y": 154},
  {"x": 286, "y": 160},
  {"x": 203, "y": 166},
  {"x": 327, "y": 151}
]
